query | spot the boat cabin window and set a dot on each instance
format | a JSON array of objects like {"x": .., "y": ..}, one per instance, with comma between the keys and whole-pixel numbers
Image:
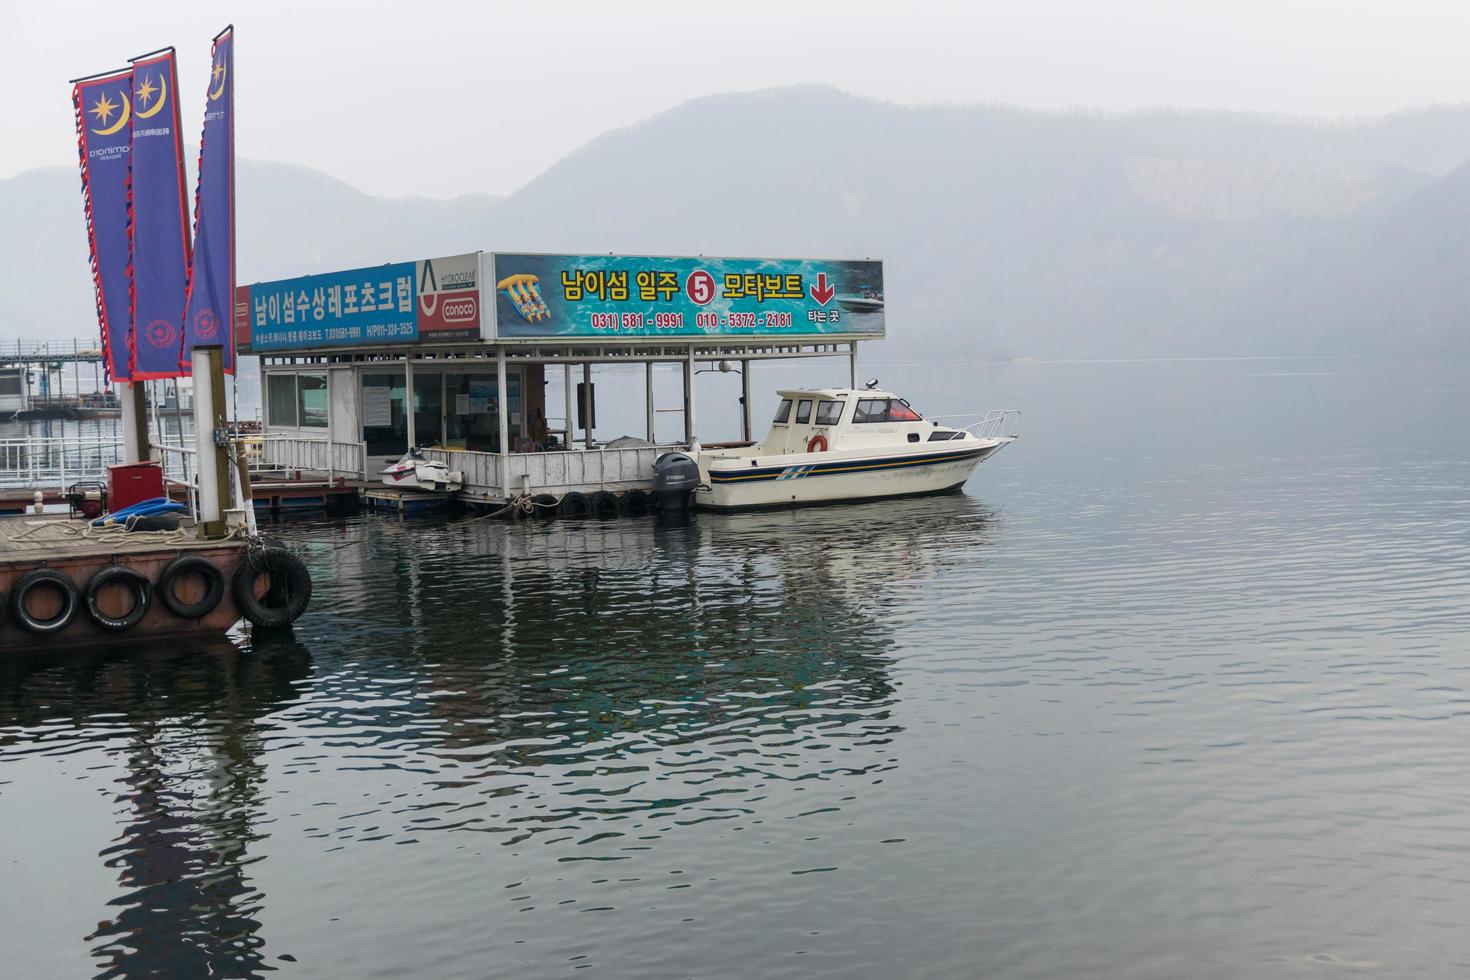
[
  {"x": 884, "y": 410},
  {"x": 899, "y": 411},
  {"x": 828, "y": 413},
  {"x": 803, "y": 411},
  {"x": 783, "y": 412}
]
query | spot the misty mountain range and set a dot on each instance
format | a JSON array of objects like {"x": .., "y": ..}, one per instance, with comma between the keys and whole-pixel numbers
[{"x": 1005, "y": 232}]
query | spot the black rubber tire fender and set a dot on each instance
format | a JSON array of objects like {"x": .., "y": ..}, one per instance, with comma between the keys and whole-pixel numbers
[
  {"x": 604, "y": 504},
  {"x": 544, "y": 506},
  {"x": 44, "y": 576},
  {"x": 636, "y": 502},
  {"x": 184, "y": 565},
  {"x": 288, "y": 595},
  {"x": 136, "y": 581},
  {"x": 574, "y": 504}
]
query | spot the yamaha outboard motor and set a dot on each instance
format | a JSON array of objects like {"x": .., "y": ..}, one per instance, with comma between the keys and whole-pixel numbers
[{"x": 675, "y": 477}]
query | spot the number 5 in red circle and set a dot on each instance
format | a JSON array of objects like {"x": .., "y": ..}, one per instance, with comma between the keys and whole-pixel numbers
[{"x": 700, "y": 287}]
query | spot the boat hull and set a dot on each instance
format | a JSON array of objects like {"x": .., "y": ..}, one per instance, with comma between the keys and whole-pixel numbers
[{"x": 827, "y": 478}]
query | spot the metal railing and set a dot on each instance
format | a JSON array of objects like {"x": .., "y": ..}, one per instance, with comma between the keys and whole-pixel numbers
[
  {"x": 996, "y": 425},
  {"x": 315, "y": 454},
  {"x": 73, "y": 349}
]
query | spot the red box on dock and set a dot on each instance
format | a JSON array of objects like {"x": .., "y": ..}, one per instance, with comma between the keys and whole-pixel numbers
[{"x": 132, "y": 483}]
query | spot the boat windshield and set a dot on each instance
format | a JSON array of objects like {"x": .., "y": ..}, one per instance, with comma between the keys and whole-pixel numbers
[
  {"x": 899, "y": 411},
  {"x": 783, "y": 412}
]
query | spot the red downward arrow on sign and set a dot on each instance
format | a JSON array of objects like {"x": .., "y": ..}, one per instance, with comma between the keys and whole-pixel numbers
[{"x": 822, "y": 292}]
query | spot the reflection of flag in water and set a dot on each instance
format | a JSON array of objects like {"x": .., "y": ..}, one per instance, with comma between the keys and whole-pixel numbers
[
  {"x": 160, "y": 212},
  {"x": 104, "y": 128},
  {"x": 526, "y": 296},
  {"x": 209, "y": 311}
]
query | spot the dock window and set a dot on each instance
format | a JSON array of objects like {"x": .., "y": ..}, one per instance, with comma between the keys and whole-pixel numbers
[
  {"x": 281, "y": 399},
  {"x": 828, "y": 413},
  {"x": 311, "y": 401},
  {"x": 871, "y": 410},
  {"x": 803, "y": 411},
  {"x": 783, "y": 412}
]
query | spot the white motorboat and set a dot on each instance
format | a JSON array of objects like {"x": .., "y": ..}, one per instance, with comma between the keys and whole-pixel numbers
[
  {"x": 414, "y": 472},
  {"x": 835, "y": 444},
  {"x": 866, "y": 301}
]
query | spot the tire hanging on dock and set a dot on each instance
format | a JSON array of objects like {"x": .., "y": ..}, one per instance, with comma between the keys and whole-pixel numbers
[
  {"x": 286, "y": 598},
  {"x": 135, "y": 582},
  {"x": 574, "y": 504},
  {"x": 185, "y": 565},
  {"x": 635, "y": 502},
  {"x": 70, "y": 599},
  {"x": 605, "y": 504}
]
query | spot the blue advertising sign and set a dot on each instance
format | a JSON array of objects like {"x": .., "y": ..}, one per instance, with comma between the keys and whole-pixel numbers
[
  {"x": 639, "y": 296},
  {"x": 359, "y": 307}
]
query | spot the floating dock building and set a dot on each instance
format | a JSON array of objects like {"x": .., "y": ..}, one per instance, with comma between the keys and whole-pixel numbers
[{"x": 454, "y": 354}]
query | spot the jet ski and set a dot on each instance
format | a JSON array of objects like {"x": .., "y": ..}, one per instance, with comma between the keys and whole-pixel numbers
[{"x": 414, "y": 472}]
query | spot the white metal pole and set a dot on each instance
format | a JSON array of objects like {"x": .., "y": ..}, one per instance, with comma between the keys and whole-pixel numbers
[
  {"x": 132, "y": 444},
  {"x": 852, "y": 363},
  {"x": 587, "y": 404},
  {"x": 502, "y": 390},
  {"x": 211, "y": 508},
  {"x": 408, "y": 400},
  {"x": 745, "y": 400},
  {"x": 648, "y": 398},
  {"x": 566, "y": 371},
  {"x": 691, "y": 425}
]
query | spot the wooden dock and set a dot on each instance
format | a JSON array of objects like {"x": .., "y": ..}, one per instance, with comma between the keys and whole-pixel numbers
[{"x": 79, "y": 552}]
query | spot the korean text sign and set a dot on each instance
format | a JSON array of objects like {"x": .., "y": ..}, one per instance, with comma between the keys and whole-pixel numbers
[
  {"x": 612, "y": 296},
  {"x": 359, "y": 307}
]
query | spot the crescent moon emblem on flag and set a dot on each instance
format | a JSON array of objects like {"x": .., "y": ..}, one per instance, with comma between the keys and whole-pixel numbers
[
  {"x": 219, "y": 70},
  {"x": 122, "y": 120},
  {"x": 162, "y": 98}
]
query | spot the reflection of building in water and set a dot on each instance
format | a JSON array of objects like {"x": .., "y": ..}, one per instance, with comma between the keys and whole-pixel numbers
[
  {"x": 188, "y": 802},
  {"x": 586, "y": 640}
]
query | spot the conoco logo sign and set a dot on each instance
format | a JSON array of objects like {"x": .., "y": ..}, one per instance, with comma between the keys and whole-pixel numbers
[{"x": 459, "y": 310}]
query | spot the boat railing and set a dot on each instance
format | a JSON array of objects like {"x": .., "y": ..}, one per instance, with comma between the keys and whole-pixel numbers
[{"x": 1001, "y": 424}]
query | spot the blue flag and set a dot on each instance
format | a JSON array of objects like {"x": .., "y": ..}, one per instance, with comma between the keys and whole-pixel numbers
[
  {"x": 209, "y": 313},
  {"x": 160, "y": 219},
  {"x": 104, "y": 133}
]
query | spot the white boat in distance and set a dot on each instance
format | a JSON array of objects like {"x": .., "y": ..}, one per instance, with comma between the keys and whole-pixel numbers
[{"x": 843, "y": 444}]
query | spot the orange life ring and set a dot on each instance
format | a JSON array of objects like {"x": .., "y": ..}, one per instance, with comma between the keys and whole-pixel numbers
[{"x": 815, "y": 441}]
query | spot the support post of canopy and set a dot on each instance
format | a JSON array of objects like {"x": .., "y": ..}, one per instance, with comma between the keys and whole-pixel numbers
[
  {"x": 586, "y": 404},
  {"x": 852, "y": 363},
  {"x": 690, "y": 422},
  {"x": 571, "y": 433},
  {"x": 134, "y": 421},
  {"x": 408, "y": 399},
  {"x": 648, "y": 399},
  {"x": 211, "y": 427},
  {"x": 503, "y": 417},
  {"x": 745, "y": 400}
]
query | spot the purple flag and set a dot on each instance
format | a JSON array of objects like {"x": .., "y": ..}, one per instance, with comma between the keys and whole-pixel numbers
[
  {"x": 104, "y": 132},
  {"x": 209, "y": 313},
  {"x": 160, "y": 218}
]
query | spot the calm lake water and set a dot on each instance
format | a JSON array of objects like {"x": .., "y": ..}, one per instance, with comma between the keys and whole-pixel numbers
[{"x": 1179, "y": 686}]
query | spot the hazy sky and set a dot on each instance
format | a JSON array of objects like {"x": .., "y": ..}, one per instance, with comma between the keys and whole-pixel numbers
[{"x": 440, "y": 99}]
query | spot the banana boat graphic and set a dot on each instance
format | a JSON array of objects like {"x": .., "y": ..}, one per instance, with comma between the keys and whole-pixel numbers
[{"x": 525, "y": 295}]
